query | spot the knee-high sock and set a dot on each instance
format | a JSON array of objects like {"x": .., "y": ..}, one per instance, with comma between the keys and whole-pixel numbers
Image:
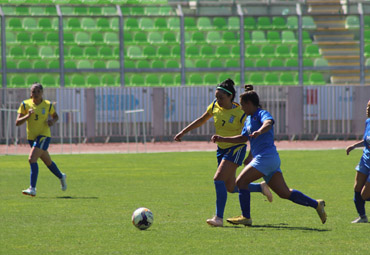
[
  {"x": 301, "y": 199},
  {"x": 245, "y": 202},
  {"x": 221, "y": 197},
  {"x": 34, "y": 174},
  {"x": 55, "y": 170},
  {"x": 359, "y": 203},
  {"x": 252, "y": 187}
]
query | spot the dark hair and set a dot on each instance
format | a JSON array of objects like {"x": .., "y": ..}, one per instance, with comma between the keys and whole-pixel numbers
[
  {"x": 250, "y": 95},
  {"x": 38, "y": 85},
  {"x": 227, "y": 86}
]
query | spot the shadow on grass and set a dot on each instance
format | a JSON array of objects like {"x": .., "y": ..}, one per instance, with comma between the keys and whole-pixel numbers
[
  {"x": 68, "y": 197},
  {"x": 280, "y": 226}
]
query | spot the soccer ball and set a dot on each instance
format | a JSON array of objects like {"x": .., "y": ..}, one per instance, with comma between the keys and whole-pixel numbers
[{"x": 142, "y": 218}]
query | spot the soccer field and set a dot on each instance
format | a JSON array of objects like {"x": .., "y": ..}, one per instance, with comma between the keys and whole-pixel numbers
[{"x": 94, "y": 215}]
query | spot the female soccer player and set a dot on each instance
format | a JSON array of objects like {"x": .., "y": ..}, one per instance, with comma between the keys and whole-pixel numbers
[
  {"x": 263, "y": 159},
  {"x": 228, "y": 120},
  {"x": 362, "y": 180},
  {"x": 36, "y": 112}
]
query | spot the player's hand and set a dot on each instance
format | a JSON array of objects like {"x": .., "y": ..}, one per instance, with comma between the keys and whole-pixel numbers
[
  {"x": 50, "y": 122},
  {"x": 349, "y": 149},
  {"x": 30, "y": 112},
  {"x": 178, "y": 137},
  {"x": 255, "y": 134},
  {"x": 215, "y": 138}
]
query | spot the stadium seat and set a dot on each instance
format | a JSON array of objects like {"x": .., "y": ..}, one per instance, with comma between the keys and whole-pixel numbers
[
  {"x": 110, "y": 10},
  {"x": 21, "y": 10},
  {"x": 93, "y": 80},
  {"x": 137, "y": 80},
  {"x": 219, "y": 23},
  {"x": 249, "y": 23},
  {"x": 78, "y": 80},
  {"x": 191, "y": 51},
  {"x": 291, "y": 62},
  {"x": 31, "y": 52},
  {"x": 172, "y": 64},
  {"x": 152, "y": 80},
  {"x": 167, "y": 79},
  {"x": 279, "y": 22},
  {"x": 102, "y": 24},
  {"x": 140, "y": 37},
  {"x": 201, "y": 63},
  {"x": 106, "y": 52},
  {"x": 160, "y": 24},
  {"x": 268, "y": 50},
  {"x": 17, "y": 81},
  {"x": 211, "y": 79},
  {"x": 321, "y": 62},
  {"x": 32, "y": 78},
  {"x": 164, "y": 52},
  {"x": 73, "y": 24},
  {"x": 14, "y": 24},
  {"x": 23, "y": 37},
  {"x": 48, "y": 80},
  {"x": 223, "y": 51},
  {"x": 273, "y": 37},
  {"x": 249, "y": 63},
  {"x": 214, "y": 37},
  {"x": 216, "y": 63},
  {"x": 53, "y": 37},
  {"x": 137, "y": 10},
  {"x": 97, "y": 38},
  {"x": 169, "y": 37},
  {"x": 312, "y": 50},
  {"x": 253, "y": 51},
  {"x": 82, "y": 38},
  {"x": 109, "y": 80},
  {"x": 84, "y": 64},
  {"x": 234, "y": 23},
  {"x": 258, "y": 37},
  {"x": 287, "y": 79},
  {"x": 99, "y": 64},
  {"x": 195, "y": 79},
  {"x": 198, "y": 37},
  {"x": 88, "y": 23},
  {"x": 11, "y": 64},
  {"x": 142, "y": 64},
  {"x": 70, "y": 65},
  {"x": 189, "y": 63},
  {"x": 155, "y": 37},
  {"x": 54, "y": 64},
  {"x": 131, "y": 24},
  {"x": 264, "y": 23},
  {"x": 235, "y": 51},
  {"x": 229, "y": 37},
  {"x": 36, "y": 10},
  {"x": 91, "y": 52},
  {"x": 263, "y": 62},
  {"x": 288, "y": 37},
  {"x": 157, "y": 64},
  {"x": 283, "y": 50},
  {"x": 16, "y": 52},
  {"x": 277, "y": 62},
  {"x": 10, "y": 37},
  {"x": 189, "y": 23},
  {"x": 149, "y": 51},
  {"x": 38, "y": 37},
  {"x": 204, "y": 23},
  {"x": 111, "y": 38},
  {"x": 40, "y": 64},
  {"x": 316, "y": 78},
  {"x": 24, "y": 64},
  {"x": 146, "y": 24},
  {"x": 308, "y": 22},
  {"x": 30, "y": 24},
  {"x": 292, "y": 22},
  {"x": 232, "y": 63},
  {"x": 272, "y": 79},
  {"x": 174, "y": 23},
  {"x": 256, "y": 79},
  {"x": 76, "y": 52}
]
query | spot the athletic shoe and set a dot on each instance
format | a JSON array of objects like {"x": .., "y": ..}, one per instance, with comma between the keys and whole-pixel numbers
[
  {"x": 216, "y": 222},
  {"x": 63, "y": 182},
  {"x": 321, "y": 210},
  {"x": 362, "y": 219},
  {"x": 240, "y": 220},
  {"x": 266, "y": 191},
  {"x": 29, "y": 192}
]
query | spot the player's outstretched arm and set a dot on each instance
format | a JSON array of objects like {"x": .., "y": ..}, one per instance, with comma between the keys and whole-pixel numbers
[
  {"x": 232, "y": 139},
  {"x": 195, "y": 124},
  {"x": 353, "y": 146},
  {"x": 21, "y": 118}
]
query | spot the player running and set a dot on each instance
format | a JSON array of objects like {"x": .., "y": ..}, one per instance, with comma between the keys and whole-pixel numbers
[
  {"x": 362, "y": 180},
  {"x": 263, "y": 159},
  {"x": 228, "y": 121},
  {"x": 36, "y": 112}
]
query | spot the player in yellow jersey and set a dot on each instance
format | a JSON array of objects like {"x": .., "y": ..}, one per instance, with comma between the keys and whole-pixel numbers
[
  {"x": 36, "y": 111},
  {"x": 229, "y": 120}
]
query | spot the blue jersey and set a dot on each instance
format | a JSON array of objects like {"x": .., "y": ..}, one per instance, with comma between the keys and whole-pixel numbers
[
  {"x": 263, "y": 144},
  {"x": 366, "y": 151}
]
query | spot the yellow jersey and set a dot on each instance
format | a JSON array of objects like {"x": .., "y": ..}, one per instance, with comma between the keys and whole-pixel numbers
[
  {"x": 37, "y": 123},
  {"x": 228, "y": 122}
]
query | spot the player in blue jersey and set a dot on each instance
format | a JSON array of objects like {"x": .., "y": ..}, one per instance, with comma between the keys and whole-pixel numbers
[
  {"x": 263, "y": 159},
  {"x": 36, "y": 111},
  {"x": 228, "y": 120},
  {"x": 362, "y": 180}
]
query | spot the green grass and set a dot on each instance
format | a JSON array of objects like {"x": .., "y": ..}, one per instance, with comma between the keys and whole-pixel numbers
[{"x": 94, "y": 215}]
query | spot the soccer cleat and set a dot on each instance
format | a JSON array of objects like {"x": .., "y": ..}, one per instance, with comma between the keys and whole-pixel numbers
[
  {"x": 63, "y": 182},
  {"x": 266, "y": 191},
  {"x": 216, "y": 222},
  {"x": 321, "y": 210},
  {"x": 29, "y": 192},
  {"x": 240, "y": 220},
  {"x": 362, "y": 219}
]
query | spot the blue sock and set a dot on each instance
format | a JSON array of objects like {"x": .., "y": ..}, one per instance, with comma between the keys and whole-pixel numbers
[
  {"x": 34, "y": 174},
  {"x": 301, "y": 199},
  {"x": 221, "y": 197},
  {"x": 359, "y": 203},
  {"x": 54, "y": 169},
  {"x": 236, "y": 189},
  {"x": 245, "y": 202},
  {"x": 254, "y": 187}
]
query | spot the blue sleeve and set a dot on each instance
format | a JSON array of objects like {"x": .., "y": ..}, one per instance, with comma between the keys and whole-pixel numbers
[
  {"x": 245, "y": 130},
  {"x": 265, "y": 115}
]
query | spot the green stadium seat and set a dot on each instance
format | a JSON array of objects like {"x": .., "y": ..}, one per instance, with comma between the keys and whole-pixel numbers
[
  {"x": 137, "y": 80},
  {"x": 249, "y": 23},
  {"x": 22, "y": 10},
  {"x": 111, "y": 38},
  {"x": 366, "y": 21},
  {"x": 134, "y": 52},
  {"x": 174, "y": 23},
  {"x": 73, "y": 24},
  {"x": 84, "y": 64},
  {"x": 24, "y": 64},
  {"x": 234, "y": 23},
  {"x": 272, "y": 79},
  {"x": 10, "y": 37},
  {"x": 155, "y": 37},
  {"x": 277, "y": 62},
  {"x": 262, "y": 62},
  {"x": 78, "y": 80},
  {"x": 140, "y": 37},
  {"x": 32, "y": 78},
  {"x": 211, "y": 79},
  {"x": 103, "y": 24},
  {"x": 45, "y": 24},
  {"x": 294, "y": 51},
  {"x": 283, "y": 50},
  {"x": 38, "y": 37},
  {"x": 204, "y": 23},
  {"x": 47, "y": 52},
  {"x": 291, "y": 62},
  {"x": 54, "y": 64},
  {"x": 76, "y": 52},
  {"x": 189, "y": 23},
  {"x": 273, "y": 37},
  {"x": 287, "y": 79},
  {"x": 91, "y": 52},
  {"x": 149, "y": 51},
  {"x": 189, "y": 63},
  {"x": 113, "y": 64},
  {"x": 99, "y": 64},
  {"x": 152, "y": 10},
  {"x": 109, "y": 80},
  {"x": 207, "y": 51},
  {"x": 166, "y": 10},
  {"x": 312, "y": 50},
  {"x": 191, "y": 51},
  {"x": 31, "y": 52},
  {"x": 138, "y": 10},
  {"x": 216, "y": 63},
  {"x": 268, "y": 50},
  {"x": 97, "y": 38},
  {"x": 235, "y": 51},
  {"x": 232, "y": 63},
  {"x": 249, "y": 63},
  {"x": 146, "y": 24},
  {"x": 198, "y": 37},
  {"x": 164, "y": 52},
  {"x": 23, "y": 37},
  {"x": 172, "y": 64},
  {"x": 93, "y": 80},
  {"x": 279, "y": 22},
  {"x": 93, "y": 10},
  {"x": 306, "y": 37},
  {"x": 219, "y": 23},
  {"x": 114, "y": 24},
  {"x": 292, "y": 22},
  {"x": 81, "y": 10},
  {"x": 109, "y": 10},
  {"x": 229, "y": 37},
  {"x": 157, "y": 64},
  {"x": 288, "y": 37},
  {"x": 223, "y": 51},
  {"x": 53, "y": 37},
  {"x": 30, "y": 24},
  {"x": 176, "y": 51},
  {"x": 14, "y": 23},
  {"x": 214, "y": 37},
  {"x": 50, "y": 10},
  {"x": 167, "y": 79},
  {"x": 67, "y": 10},
  {"x": 16, "y": 51},
  {"x": 256, "y": 79},
  {"x": 17, "y": 81},
  {"x": 152, "y": 80},
  {"x": 201, "y": 63},
  {"x": 48, "y": 80},
  {"x": 258, "y": 37},
  {"x": 40, "y": 64},
  {"x": 321, "y": 62},
  {"x": 131, "y": 24},
  {"x": 11, "y": 64},
  {"x": 160, "y": 23},
  {"x": 169, "y": 37},
  {"x": 196, "y": 79},
  {"x": 252, "y": 51},
  {"x": 316, "y": 79},
  {"x": 8, "y": 10},
  {"x": 308, "y": 22},
  {"x": 82, "y": 38},
  {"x": 264, "y": 23},
  {"x": 70, "y": 65},
  {"x": 88, "y": 23},
  {"x": 106, "y": 52}
]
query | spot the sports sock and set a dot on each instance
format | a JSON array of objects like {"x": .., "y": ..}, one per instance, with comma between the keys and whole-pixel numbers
[
  {"x": 245, "y": 202},
  {"x": 54, "y": 169},
  {"x": 221, "y": 197},
  {"x": 301, "y": 199},
  {"x": 254, "y": 187},
  {"x": 359, "y": 203},
  {"x": 34, "y": 174}
]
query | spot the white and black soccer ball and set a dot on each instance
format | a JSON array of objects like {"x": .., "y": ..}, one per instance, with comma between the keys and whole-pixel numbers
[{"x": 142, "y": 218}]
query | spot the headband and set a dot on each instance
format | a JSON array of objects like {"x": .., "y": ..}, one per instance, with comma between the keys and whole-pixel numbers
[{"x": 225, "y": 90}]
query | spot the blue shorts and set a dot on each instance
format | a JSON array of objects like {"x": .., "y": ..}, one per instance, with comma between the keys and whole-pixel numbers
[
  {"x": 235, "y": 154},
  {"x": 364, "y": 168},
  {"x": 41, "y": 142},
  {"x": 268, "y": 165}
]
